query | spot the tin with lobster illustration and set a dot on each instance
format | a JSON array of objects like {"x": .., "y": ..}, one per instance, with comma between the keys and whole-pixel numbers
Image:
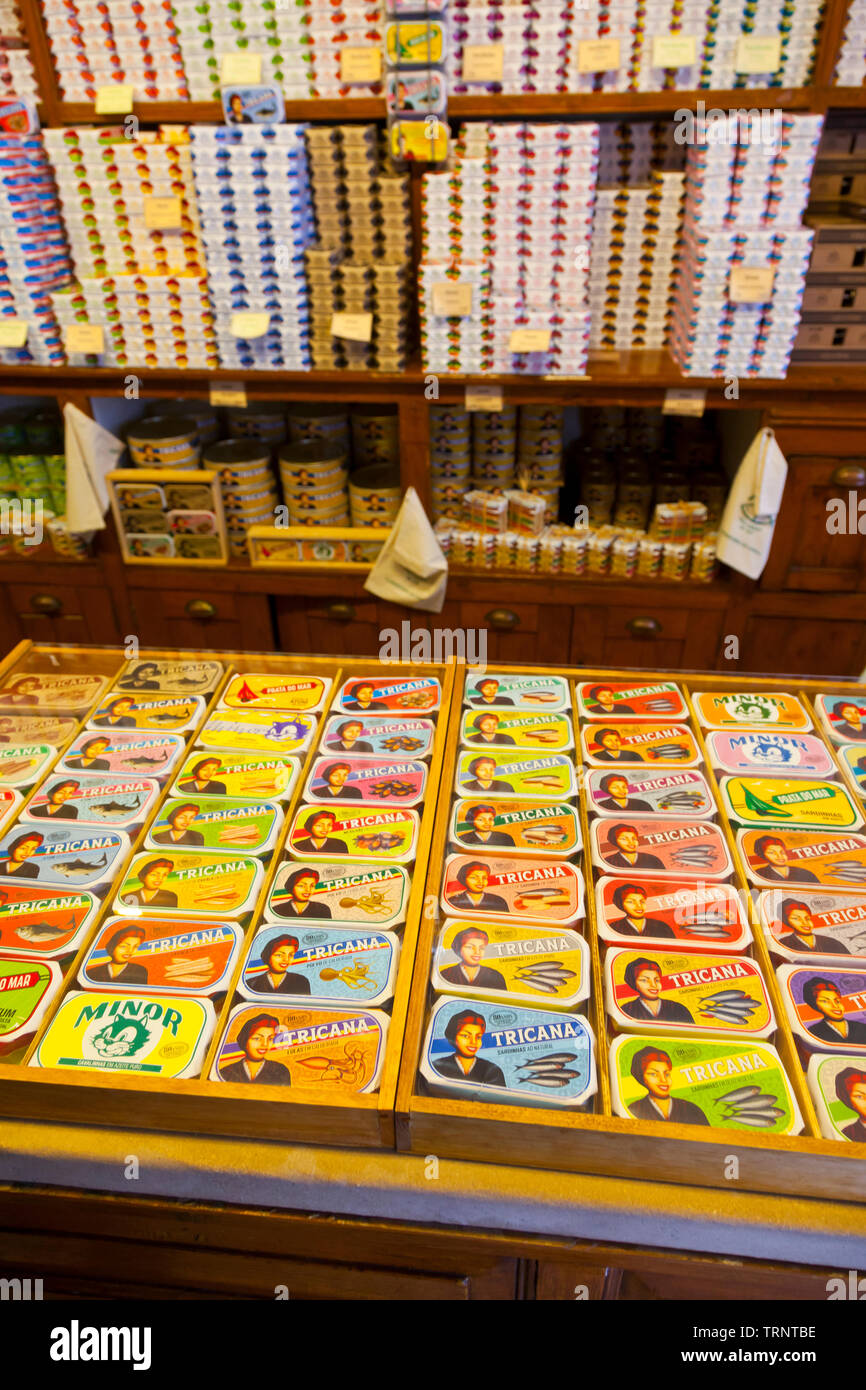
[
  {"x": 499, "y": 773},
  {"x": 334, "y": 965},
  {"x": 124, "y": 754},
  {"x": 277, "y": 692},
  {"x": 334, "y": 1051},
  {"x": 796, "y": 801},
  {"x": 517, "y": 827},
  {"x": 685, "y": 794},
  {"x": 495, "y": 690},
  {"x": 162, "y": 955},
  {"x": 378, "y": 737},
  {"x": 376, "y": 781},
  {"x": 258, "y": 731},
  {"x": 365, "y": 895},
  {"x": 703, "y": 916},
  {"x": 547, "y": 967},
  {"x": 237, "y": 776},
  {"x": 675, "y": 848},
  {"x": 686, "y": 992},
  {"x": 190, "y": 884},
  {"x": 216, "y": 823},
  {"x": 488, "y": 728},
  {"x": 373, "y": 695},
  {"x": 620, "y": 700},
  {"x": 327, "y": 832},
  {"x": 659, "y": 745},
  {"x": 819, "y": 857},
  {"x": 529, "y": 890}
]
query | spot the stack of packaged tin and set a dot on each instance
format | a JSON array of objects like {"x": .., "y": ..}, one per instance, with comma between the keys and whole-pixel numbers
[
  {"x": 34, "y": 254},
  {"x": 99, "y": 45},
  {"x": 253, "y": 196},
  {"x": 17, "y": 78},
  {"x": 745, "y": 253},
  {"x": 851, "y": 67},
  {"x": 635, "y": 236}
]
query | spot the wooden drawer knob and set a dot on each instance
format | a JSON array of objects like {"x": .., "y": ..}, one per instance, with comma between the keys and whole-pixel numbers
[
  {"x": 850, "y": 475},
  {"x": 341, "y": 612},
  {"x": 201, "y": 608},
  {"x": 644, "y": 627},
  {"x": 46, "y": 603},
  {"x": 502, "y": 618}
]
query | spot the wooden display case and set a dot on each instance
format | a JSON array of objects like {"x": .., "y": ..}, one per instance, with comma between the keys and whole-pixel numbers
[
  {"x": 226, "y": 1108},
  {"x": 601, "y": 1142}
]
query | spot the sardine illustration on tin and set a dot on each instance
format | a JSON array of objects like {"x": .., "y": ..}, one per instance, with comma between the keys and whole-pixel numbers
[
  {"x": 660, "y": 847},
  {"x": 170, "y": 677},
  {"x": 61, "y": 855},
  {"x": 825, "y": 859},
  {"x": 122, "y": 754}
]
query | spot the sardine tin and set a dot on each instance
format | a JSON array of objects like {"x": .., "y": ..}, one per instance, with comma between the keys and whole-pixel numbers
[
  {"x": 843, "y": 717},
  {"x": 508, "y": 1047},
  {"x": 801, "y": 802},
  {"x": 216, "y": 823},
  {"x": 341, "y": 894},
  {"x": 374, "y": 695},
  {"x": 153, "y": 955},
  {"x": 852, "y": 759},
  {"x": 624, "y": 745},
  {"x": 518, "y": 827},
  {"x": 150, "y": 1035},
  {"x": 825, "y": 859},
  {"x": 25, "y": 728},
  {"x": 371, "y": 781},
  {"x": 11, "y": 802},
  {"x": 523, "y": 964},
  {"x": 838, "y": 1089},
  {"x": 66, "y": 857},
  {"x": 325, "y": 964},
  {"x": 685, "y": 794},
  {"x": 358, "y": 833},
  {"x": 708, "y": 917},
  {"x": 675, "y": 848},
  {"x": 691, "y": 990},
  {"x": 41, "y": 692},
  {"x": 517, "y": 774},
  {"x": 768, "y": 753},
  {"x": 170, "y": 677},
  {"x": 195, "y": 884},
  {"x": 837, "y": 922},
  {"x": 174, "y": 714},
  {"x": 331, "y": 1050},
  {"x": 498, "y": 690},
  {"x": 237, "y": 775},
  {"x": 274, "y": 691},
  {"x": 377, "y": 736},
  {"x": 102, "y": 801},
  {"x": 817, "y": 997},
  {"x": 123, "y": 754},
  {"x": 697, "y": 1074},
  {"x": 539, "y": 733},
  {"x": 28, "y": 985},
  {"x": 525, "y": 890},
  {"x": 259, "y": 731},
  {"x": 658, "y": 700},
  {"x": 21, "y": 765},
  {"x": 750, "y": 710}
]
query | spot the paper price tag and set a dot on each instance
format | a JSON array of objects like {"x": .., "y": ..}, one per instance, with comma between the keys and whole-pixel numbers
[
  {"x": 751, "y": 284},
  {"x": 114, "y": 100},
  {"x": 250, "y": 325},
  {"x": 452, "y": 299},
  {"x": 230, "y": 393},
  {"x": 361, "y": 64},
  {"x": 85, "y": 337},
  {"x": 597, "y": 55},
  {"x": 529, "y": 340},
  {"x": 358, "y": 328},
  {"x": 13, "y": 332},
  {"x": 677, "y": 402},
  {"x": 484, "y": 398},
  {"x": 240, "y": 68},
  {"x": 758, "y": 53},
  {"x": 162, "y": 214},
  {"x": 674, "y": 50},
  {"x": 483, "y": 62}
]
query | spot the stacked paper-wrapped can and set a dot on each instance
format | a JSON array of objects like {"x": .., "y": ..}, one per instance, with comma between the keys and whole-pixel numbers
[
  {"x": 851, "y": 66},
  {"x": 17, "y": 77},
  {"x": 635, "y": 238},
  {"x": 98, "y": 45},
  {"x": 34, "y": 254}
]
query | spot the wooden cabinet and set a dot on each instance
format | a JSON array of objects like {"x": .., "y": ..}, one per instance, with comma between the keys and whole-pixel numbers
[
  {"x": 810, "y": 551},
  {"x": 630, "y": 632},
  {"x": 46, "y": 611},
  {"x": 802, "y": 646},
  {"x": 201, "y": 617},
  {"x": 516, "y": 631},
  {"x": 344, "y": 626}
]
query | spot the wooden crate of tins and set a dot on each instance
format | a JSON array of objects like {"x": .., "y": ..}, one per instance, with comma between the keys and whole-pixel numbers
[
  {"x": 597, "y": 1140},
  {"x": 200, "y": 1105}
]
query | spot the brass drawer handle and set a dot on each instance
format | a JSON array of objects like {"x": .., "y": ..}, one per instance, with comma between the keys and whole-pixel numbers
[
  {"x": 200, "y": 608},
  {"x": 850, "y": 475},
  {"x": 502, "y": 617},
  {"x": 644, "y": 627},
  {"x": 46, "y": 603},
  {"x": 341, "y": 612}
]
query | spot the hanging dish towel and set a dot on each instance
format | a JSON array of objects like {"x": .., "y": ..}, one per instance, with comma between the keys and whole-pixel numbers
[
  {"x": 411, "y": 568},
  {"x": 91, "y": 452},
  {"x": 749, "y": 520}
]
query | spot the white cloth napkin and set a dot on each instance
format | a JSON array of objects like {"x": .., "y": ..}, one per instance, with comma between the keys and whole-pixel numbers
[
  {"x": 411, "y": 568},
  {"x": 91, "y": 452},
  {"x": 749, "y": 520}
]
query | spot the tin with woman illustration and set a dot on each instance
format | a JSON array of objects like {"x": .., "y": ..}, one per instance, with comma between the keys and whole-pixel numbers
[
  {"x": 365, "y": 895},
  {"x": 325, "y": 964},
  {"x": 647, "y": 989},
  {"x": 162, "y": 955},
  {"x": 548, "y": 968},
  {"x": 527, "y": 890},
  {"x": 190, "y": 884},
  {"x": 331, "y": 1050},
  {"x": 224, "y": 824}
]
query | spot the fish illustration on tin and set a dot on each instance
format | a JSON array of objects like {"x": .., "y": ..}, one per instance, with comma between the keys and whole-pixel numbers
[
  {"x": 43, "y": 931},
  {"x": 79, "y": 867},
  {"x": 146, "y": 762}
]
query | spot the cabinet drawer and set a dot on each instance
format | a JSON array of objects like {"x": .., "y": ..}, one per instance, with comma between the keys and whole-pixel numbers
[
  {"x": 500, "y": 616},
  {"x": 47, "y": 600},
  {"x": 186, "y": 603},
  {"x": 646, "y": 624},
  {"x": 194, "y": 618}
]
